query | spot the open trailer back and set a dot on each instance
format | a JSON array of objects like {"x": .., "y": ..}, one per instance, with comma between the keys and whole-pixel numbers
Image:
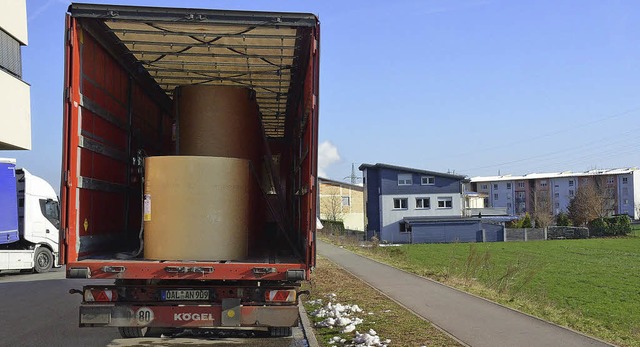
[{"x": 124, "y": 70}]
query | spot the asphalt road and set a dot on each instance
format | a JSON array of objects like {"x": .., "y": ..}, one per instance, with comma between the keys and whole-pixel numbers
[
  {"x": 472, "y": 320},
  {"x": 37, "y": 310}
]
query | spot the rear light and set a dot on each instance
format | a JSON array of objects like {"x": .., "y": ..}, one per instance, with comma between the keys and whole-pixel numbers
[
  {"x": 280, "y": 295},
  {"x": 100, "y": 295}
]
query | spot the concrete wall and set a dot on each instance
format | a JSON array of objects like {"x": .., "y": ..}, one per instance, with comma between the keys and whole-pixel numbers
[{"x": 525, "y": 234}]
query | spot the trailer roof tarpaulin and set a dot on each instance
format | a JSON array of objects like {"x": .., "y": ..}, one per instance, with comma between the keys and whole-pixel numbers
[{"x": 176, "y": 47}]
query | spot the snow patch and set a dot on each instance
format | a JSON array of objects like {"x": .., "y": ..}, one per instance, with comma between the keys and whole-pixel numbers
[{"x": 345, "y": 318}]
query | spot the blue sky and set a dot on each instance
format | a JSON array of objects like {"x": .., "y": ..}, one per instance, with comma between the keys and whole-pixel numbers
[{"x": 475, "y": 87}]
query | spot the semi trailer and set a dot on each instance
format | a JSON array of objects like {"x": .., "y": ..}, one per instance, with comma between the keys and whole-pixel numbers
[{"x": 128, "y": 72}]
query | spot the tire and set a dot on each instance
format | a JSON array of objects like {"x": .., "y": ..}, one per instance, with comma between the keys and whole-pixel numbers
[
  {"x": 132, "y": 332},
  {"x": 280, "y": 331},
  {"x": 43, "y": 260}
]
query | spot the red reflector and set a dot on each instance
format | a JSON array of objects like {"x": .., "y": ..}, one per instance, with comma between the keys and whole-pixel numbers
[
  {"x": 280, "y": 295},
  {"x": 104, "y": 295}
]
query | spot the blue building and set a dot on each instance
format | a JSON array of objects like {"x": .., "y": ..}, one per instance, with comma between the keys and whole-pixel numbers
[{"x": 398, "y": 197}]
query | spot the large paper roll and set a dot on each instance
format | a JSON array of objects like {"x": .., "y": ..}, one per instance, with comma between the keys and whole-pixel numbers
[
  {"x": 218, "y": 121},
  {"x": 196, "y": 208}
]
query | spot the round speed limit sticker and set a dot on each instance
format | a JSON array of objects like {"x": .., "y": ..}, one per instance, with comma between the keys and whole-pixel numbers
[{"x": 144, "y": 316}]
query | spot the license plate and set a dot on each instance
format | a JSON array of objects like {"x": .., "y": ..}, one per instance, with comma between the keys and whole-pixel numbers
[{"x": 185, "y": 294}]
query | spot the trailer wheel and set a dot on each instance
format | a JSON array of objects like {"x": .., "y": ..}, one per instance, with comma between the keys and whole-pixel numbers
[
  {"x": 43, "y": 260},
  {"x": 129, "y": 332},
  {"x": 280, "y": 331}
]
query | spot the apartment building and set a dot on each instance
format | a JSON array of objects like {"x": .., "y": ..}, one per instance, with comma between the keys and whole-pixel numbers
[
  {"x": 553, "y": 191},
  {"x": 15, "y": 122}
]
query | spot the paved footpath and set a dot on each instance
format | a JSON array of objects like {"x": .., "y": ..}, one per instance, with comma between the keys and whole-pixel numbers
[{"x": 472, "y": 320}]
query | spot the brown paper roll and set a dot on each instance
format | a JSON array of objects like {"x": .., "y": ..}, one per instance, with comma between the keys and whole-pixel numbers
[
  {"x": 196, "y": 208},
  {"x": 218, "y": 121}
]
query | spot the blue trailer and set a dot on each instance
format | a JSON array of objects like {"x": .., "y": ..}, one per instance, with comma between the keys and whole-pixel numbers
[{"x": 8, "y": 202}]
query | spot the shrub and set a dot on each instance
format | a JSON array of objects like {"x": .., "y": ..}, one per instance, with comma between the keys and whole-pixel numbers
[
  {"x": 598, "y": 227},
  {"x": 333, "y": 227},
  {"x": 526, "y": 221},
  {"x": 562, "y": 220},
  {"x": 610, "y": 226}
]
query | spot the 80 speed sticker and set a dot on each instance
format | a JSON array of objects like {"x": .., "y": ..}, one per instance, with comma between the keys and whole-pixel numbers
[{"x": 144, "y": 316}]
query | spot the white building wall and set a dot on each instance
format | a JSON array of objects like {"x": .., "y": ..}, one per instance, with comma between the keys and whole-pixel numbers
[
  {"x": 391, "y": 217},
  {"x": 636, "y": 194},
  {"x": 505, "y": 195},
  {"x": 15, "y": 109},
  {"x": 13, "y": 19},
  {"x": 561, "y": 193},
  {"x": 627, "y": 194},
  {"x": 15, "y": 113}
]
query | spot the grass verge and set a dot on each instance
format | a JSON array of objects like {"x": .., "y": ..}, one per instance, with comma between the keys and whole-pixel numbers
[
  {"x": 388, "y": 318},
  {"x": 588, "y": 285}
]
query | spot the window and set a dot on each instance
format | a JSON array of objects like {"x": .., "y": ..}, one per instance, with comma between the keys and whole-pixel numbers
[
  {"x": 625, "y": 180},
  {"x": 520, "y": 184},
  {"x": 51, "y": 210},
  {"x": 508, "y": 206},
  {"x": 508, "y": 185},
  {"x": 520, "y": 195},
  {"x": 405, "y": 227},
  {"x": 423, "y": 203},
  {"x": 11, "y": 57},
  {"x": 445, "y": 202},
  {"x": 625, "y": 202},
  {"x": 571, "y": 192},
  {"x": 400, "y": 203},
  {"x": 495, "y": 196},
  {"x": 556, "y": 195},
  {"x": 543, "y": 183},
  {"x": 428, "y": 180},
  {"x": 495, "y": 186},
  {"x": 570, "y": 183},
  {"x": 404, "y": 180},
  {"x": 485, "y": 187},
  {"x": 486, "y": 202},
  {"x": 557, "y": 204},
  {"x": 346, "y": 201},
  {"x": 610, "y": 180}
]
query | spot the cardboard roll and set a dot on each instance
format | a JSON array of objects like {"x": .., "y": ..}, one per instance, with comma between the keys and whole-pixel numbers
[
  {"x": 197, "y": 208},
  {"x": 219, "y": 121}
]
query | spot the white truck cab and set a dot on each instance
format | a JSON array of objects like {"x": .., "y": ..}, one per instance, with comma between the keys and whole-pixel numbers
[{"x": 32, "y": 203}]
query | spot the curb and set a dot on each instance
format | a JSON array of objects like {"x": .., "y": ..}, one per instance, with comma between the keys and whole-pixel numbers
[{"x": 307, "y": 328}]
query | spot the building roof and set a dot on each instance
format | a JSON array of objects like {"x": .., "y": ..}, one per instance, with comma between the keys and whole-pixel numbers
[
  {"x": 411, "y": 170},
  {"x": 596, "y": 172},
  {"x": 351, "y": 185}
]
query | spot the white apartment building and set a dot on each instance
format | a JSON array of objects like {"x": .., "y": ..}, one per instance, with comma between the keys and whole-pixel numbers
[
  {"x": 15, "y": 109},
  {"x": 521, "y": 194}
]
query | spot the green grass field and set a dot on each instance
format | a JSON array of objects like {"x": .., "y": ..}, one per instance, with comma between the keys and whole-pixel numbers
[
  {"x": 590, "y": 285},
  {"x": 635, "y": 230}
]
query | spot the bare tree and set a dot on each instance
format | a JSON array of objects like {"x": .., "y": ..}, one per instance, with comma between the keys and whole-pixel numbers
[
  {"x": 542, "y": 211},
  {"x": 331, "y": 207},
  {"x": 593, "y": 200}
]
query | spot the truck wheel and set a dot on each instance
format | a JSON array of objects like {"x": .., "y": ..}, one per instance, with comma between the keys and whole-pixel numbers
[
  {"x": 129, "y": 332},
  {"x": 280, "y": 331},
  {"x": 43, "y": 260}
]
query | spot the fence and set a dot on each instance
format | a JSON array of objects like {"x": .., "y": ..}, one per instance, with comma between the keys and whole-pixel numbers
[
  {"x": 524, "y": 234},
  {"x": 567, "y": 233}
]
